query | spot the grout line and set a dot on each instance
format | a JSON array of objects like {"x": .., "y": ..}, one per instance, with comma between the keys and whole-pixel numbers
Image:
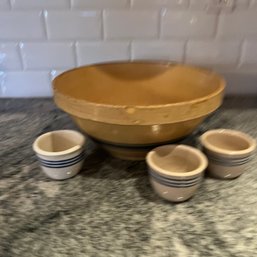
[
  {"x": 50, "y": 77},
  {"x": 130, "y": 4},
  {"x": 36, "y": 41},
  {"x": 185, "y": 51},
  {"x": 251, "y": 3},
  {"x": 75, "y": 51},
  {"x": 190, "y": 4},
  {"x": 240, "y": 55},
  {"x": 217, "y": 25},
  {"x": 130, "y": 50},
  {"x": 43, "y": 18},
  {"x": 111, "y": 40},
  {"x": 159, "y": 23},
  {"x": 187, "y": 6},
  {"x": 10, "y": 5},
  {"x": 43, "y": 69},
  {"x": 102, "y": 25},
  {"x": 20, "y": 56}
]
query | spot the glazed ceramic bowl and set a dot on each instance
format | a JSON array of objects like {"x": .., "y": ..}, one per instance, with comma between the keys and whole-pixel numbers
[
  {"x": 60, "y": 153},
  {"x": 228, "y": 152},
  {"x": 130, "y": 108},
  {"x": 176, "y": 171}
]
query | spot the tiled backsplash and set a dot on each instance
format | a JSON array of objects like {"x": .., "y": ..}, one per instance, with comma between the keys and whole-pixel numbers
[{"x": 39, "y": 39}]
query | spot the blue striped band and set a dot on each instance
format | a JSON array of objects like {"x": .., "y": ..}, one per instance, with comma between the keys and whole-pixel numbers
[
  {"x": 62, "y": 163},
  {"x": 228, "y": 162},
  {"x": 175, "y": 182}
]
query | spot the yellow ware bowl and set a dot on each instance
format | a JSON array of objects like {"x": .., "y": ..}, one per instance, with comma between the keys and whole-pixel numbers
[{"x": 132, "y": 107}]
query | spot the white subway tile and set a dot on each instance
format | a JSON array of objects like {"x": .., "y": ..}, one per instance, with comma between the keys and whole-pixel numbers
[
  {"x": 222, "y": 53},
  {"x": 187, "y": 24},
  {"x": 200, "y": 4},
  {"x": 160, "y": 3},
  {"x": 25, "y": 84},
  {"x": 130, "y": 24},
  {"x": 97, "y": 52},
  {"x": 240, "y": 83},
  {"x": 241, "y": 4},
  {"x": 47, "y": 55},
  {"x": 249, "y": 54},
  {"x": 214, "y": 6},
  {"x": 4, "y": 5},
  {"x": 9, "y": 57},
  {"x": 253, "y": 3},
  {"x": 211, "y": 6},
  {"x": 73, "y": 24},
  {"x": 158, "y": 50},
  {"x": 21, "y": 25},
  {"x": 99, "y": 3},
  {"x": 204, "y": 4},
  {"x": 36, "y": 4},
  {"x": 238, "y": 24}
]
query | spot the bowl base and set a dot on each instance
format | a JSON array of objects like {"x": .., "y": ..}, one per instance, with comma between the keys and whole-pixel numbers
[
  {"x": 125, "y": 154},
  {"x": 130, "y": 152}
]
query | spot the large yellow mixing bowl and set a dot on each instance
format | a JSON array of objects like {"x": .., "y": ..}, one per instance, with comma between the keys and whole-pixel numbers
[{"x": 131, "y": 107}]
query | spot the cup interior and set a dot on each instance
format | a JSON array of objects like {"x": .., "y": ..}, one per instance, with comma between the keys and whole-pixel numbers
[
  {"x": 58, "y": 141},
  {"x": 226, "y": 141},
  {"x": 176, "y": 160}
]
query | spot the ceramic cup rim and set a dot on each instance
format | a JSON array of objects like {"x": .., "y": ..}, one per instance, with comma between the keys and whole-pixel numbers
[
  {"x": 192, "y": 150},
  {"x": 237, "y": 134},
  {"x": 73, "y": 149}
]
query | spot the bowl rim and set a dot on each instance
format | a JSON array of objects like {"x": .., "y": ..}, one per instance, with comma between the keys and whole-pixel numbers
[
  {"x": 236, "y": 133},
  {"x": 142, "y": 114},
  {"x": 73, "y": 149},
  {"x": 192, "y": 150}
]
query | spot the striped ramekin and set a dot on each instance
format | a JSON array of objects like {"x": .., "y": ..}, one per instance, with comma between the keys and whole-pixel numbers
[
  {"x": 228, "y": 152},
  {"x": 176, "y": 171},
  {"x": 60, "y": 153}
]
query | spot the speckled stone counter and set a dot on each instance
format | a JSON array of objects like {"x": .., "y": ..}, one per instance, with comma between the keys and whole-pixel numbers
[{"x": 109, "y": 209}]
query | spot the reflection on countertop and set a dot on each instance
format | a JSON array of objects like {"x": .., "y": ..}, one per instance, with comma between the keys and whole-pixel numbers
[{"x": 109, "y": 209}]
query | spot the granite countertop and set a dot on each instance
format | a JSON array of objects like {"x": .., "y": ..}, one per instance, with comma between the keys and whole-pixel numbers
[{"x": 109, "y": 209}]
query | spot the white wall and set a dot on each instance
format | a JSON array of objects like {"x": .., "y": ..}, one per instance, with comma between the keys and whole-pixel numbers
[{"x": 39, "y": 39}]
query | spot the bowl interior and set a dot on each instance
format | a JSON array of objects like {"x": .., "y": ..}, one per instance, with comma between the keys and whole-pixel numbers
[
  {"x": 58, "y": 141},
  {"x": 227, "y": 141},
  {"x": 175, "y": 159},
  {"x": 137, "y": 84}
]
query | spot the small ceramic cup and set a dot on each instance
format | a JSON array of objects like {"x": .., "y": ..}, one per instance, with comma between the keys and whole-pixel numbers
[
  {"x": 60, "y": 153},
  {"x": 176, "y": 171},
  {"x": 228, "y": 152}
]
